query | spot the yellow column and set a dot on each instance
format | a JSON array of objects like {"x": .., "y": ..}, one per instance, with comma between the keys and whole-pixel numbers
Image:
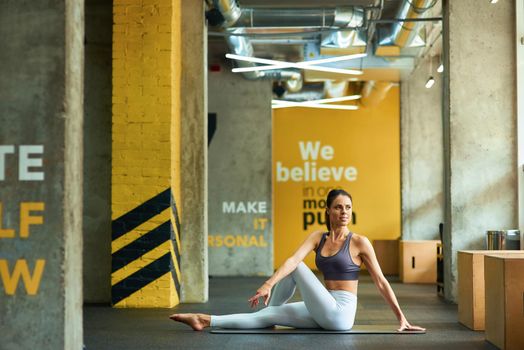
[{"x": 145, "y": 233}]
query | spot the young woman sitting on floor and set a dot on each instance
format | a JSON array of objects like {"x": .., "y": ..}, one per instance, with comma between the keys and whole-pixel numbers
[{"x": 339, "y": 254}]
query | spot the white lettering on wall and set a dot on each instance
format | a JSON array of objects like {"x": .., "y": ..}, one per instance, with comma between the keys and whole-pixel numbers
[
  {"x": 3, "y": 151},
  {"x": 251, "y": 207},
  {"x": 27, "y": 161},
  {"x": 309, "y": 152}
]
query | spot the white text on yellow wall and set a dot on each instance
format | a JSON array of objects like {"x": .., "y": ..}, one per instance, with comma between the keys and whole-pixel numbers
[{"x": 310, "y": 152}]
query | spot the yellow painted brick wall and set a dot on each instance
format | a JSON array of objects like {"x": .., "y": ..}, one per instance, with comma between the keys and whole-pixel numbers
[
  {"x": 145, "y": 150},
  {"x": 176, "y": 79}
]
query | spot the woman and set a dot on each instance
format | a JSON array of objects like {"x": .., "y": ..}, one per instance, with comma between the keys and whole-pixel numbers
[{"x": 339, "y": 254}]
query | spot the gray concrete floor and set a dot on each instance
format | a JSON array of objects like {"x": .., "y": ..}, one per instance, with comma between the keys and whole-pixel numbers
[{"x": 108, "y": 328}]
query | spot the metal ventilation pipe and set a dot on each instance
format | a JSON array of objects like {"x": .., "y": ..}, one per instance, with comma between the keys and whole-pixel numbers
[
  {"x": 344, "y": 17},
  {"x": 241, "y": 45},
  {"x": 335, "y": 88},
  {"x": 374, "y": 91},
  {"x": 402, "y": 33},
  {"x": 235, "y": 17},
  {"x": 229, "y": 10}
]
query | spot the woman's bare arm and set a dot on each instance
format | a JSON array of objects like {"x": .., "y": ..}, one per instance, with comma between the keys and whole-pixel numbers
[
  {"x": 367, "y": 253},
  {"x": 287, "y": 267}
]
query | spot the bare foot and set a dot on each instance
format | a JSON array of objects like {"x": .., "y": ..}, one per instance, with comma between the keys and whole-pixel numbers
[{"x": 195, "y": 321}]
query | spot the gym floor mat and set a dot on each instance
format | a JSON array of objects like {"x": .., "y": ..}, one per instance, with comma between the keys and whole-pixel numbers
[{"x": 358, "y": 329}]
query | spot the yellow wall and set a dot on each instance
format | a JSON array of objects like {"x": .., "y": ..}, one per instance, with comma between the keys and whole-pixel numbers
[
  {"x": 368, "y": 140},
  {"x": 145, "y": 149}
]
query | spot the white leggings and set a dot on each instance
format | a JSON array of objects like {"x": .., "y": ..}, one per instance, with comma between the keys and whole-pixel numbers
[{"x": 321, "y": 308}]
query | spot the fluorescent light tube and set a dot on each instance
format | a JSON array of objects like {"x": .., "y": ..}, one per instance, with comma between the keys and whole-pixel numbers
[
  {"x": 341, "y": 107},
  {"x": 337, "y": 99},
  {"x": 311, "y": 104},
  {"x": 307, "y": 65}
]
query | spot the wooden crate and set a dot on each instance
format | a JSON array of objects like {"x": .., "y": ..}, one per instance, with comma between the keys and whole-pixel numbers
[
  {"x": 387, "y": 255},
  {"x": 504, "y": 281},
  {"x": 471, "y": 312},
  {"x": 418, "y": 261}
]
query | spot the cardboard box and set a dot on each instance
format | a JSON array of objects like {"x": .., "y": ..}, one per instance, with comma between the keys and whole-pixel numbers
[
  {"x": 471, "y": 312},
  {"x": 387, "y": 255},
  {"x": 418, "y": 261},
  {"x": 504, "y": 303}
]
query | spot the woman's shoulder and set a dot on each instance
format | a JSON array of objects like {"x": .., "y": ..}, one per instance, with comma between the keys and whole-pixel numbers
[
  {"x": 359, "y": 240},
  {"x": 317, "y": 234}
]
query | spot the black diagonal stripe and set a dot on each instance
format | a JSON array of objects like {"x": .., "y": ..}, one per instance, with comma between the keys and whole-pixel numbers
[
  {"x": 175, "y": 247},
  {"x": 175, "y": 215},
  {"x": 140, "y": 214},
  {"x": 175, "y": 278},
  {"x": 177, "y": 254},
  {"x": 140, "y": 246},
  {"x": 141, "y": 278}
]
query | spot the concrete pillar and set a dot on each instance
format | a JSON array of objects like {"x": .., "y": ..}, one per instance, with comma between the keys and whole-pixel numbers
[
  {"x": 422, "y": 153},
  {"x": 97, "y": 151},
  {"x": 41, "y": 117},
  {"x": 479, "y": 126},
  {"x": 193, "y": 149},
  {"x": 240, "y": 207}
]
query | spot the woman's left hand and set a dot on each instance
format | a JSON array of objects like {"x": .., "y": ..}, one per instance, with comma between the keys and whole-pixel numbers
[
  {"x": 263, "y": 292},
  {"x": 406, "y": 326}
]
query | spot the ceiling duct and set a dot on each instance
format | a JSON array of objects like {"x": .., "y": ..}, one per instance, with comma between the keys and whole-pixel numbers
[
  {"x": 346, "y": 42},
  {"x": 309, "y": 92},
  {"x": 228, "y": 12},
  {"x": 240, "y": 45},
  {"x": 334, "y": 88},
  {"x": 400, "y": 35},
  {"x": 235, "y": 19},
  {"x": 373, "y": 92},
  {"x": 404, "y": 34},
  {"x": 342, "y": 17}
]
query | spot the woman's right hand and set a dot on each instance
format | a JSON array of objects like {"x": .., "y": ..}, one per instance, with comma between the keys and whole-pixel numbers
[
  {"x": 406, "y": 326},
  {"x": 263, "y": 292}
]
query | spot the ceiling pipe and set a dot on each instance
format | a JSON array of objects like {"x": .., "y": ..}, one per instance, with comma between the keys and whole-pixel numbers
[
  {"x": 356, "y": 41},
  {"x": 240, "y": 45},
  {"x": 374, "y": 14},
  {"x": 401, "y": 34},
  {"x": 373, "y": 92},
  {"x": 235, "y": 19},
  {"x": 343, "y": 42},
  {"x": 309, "y": 92},
  {"x": 409, "y": 30},
  {"x": 231, "y": 15},
  {"x": 334, "y": 88},
  {"x": 229, "y": 10},
  {"x": 343, "y": 17}
]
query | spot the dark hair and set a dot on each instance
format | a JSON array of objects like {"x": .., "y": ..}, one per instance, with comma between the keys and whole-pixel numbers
[{"x": 329, "y": 200}]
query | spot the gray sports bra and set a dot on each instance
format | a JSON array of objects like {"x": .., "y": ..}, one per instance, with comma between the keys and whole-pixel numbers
[{"x": 339, "y": 266}]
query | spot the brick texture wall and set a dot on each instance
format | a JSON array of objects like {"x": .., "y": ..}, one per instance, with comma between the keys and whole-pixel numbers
[{"x": 146, "y": 237}]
